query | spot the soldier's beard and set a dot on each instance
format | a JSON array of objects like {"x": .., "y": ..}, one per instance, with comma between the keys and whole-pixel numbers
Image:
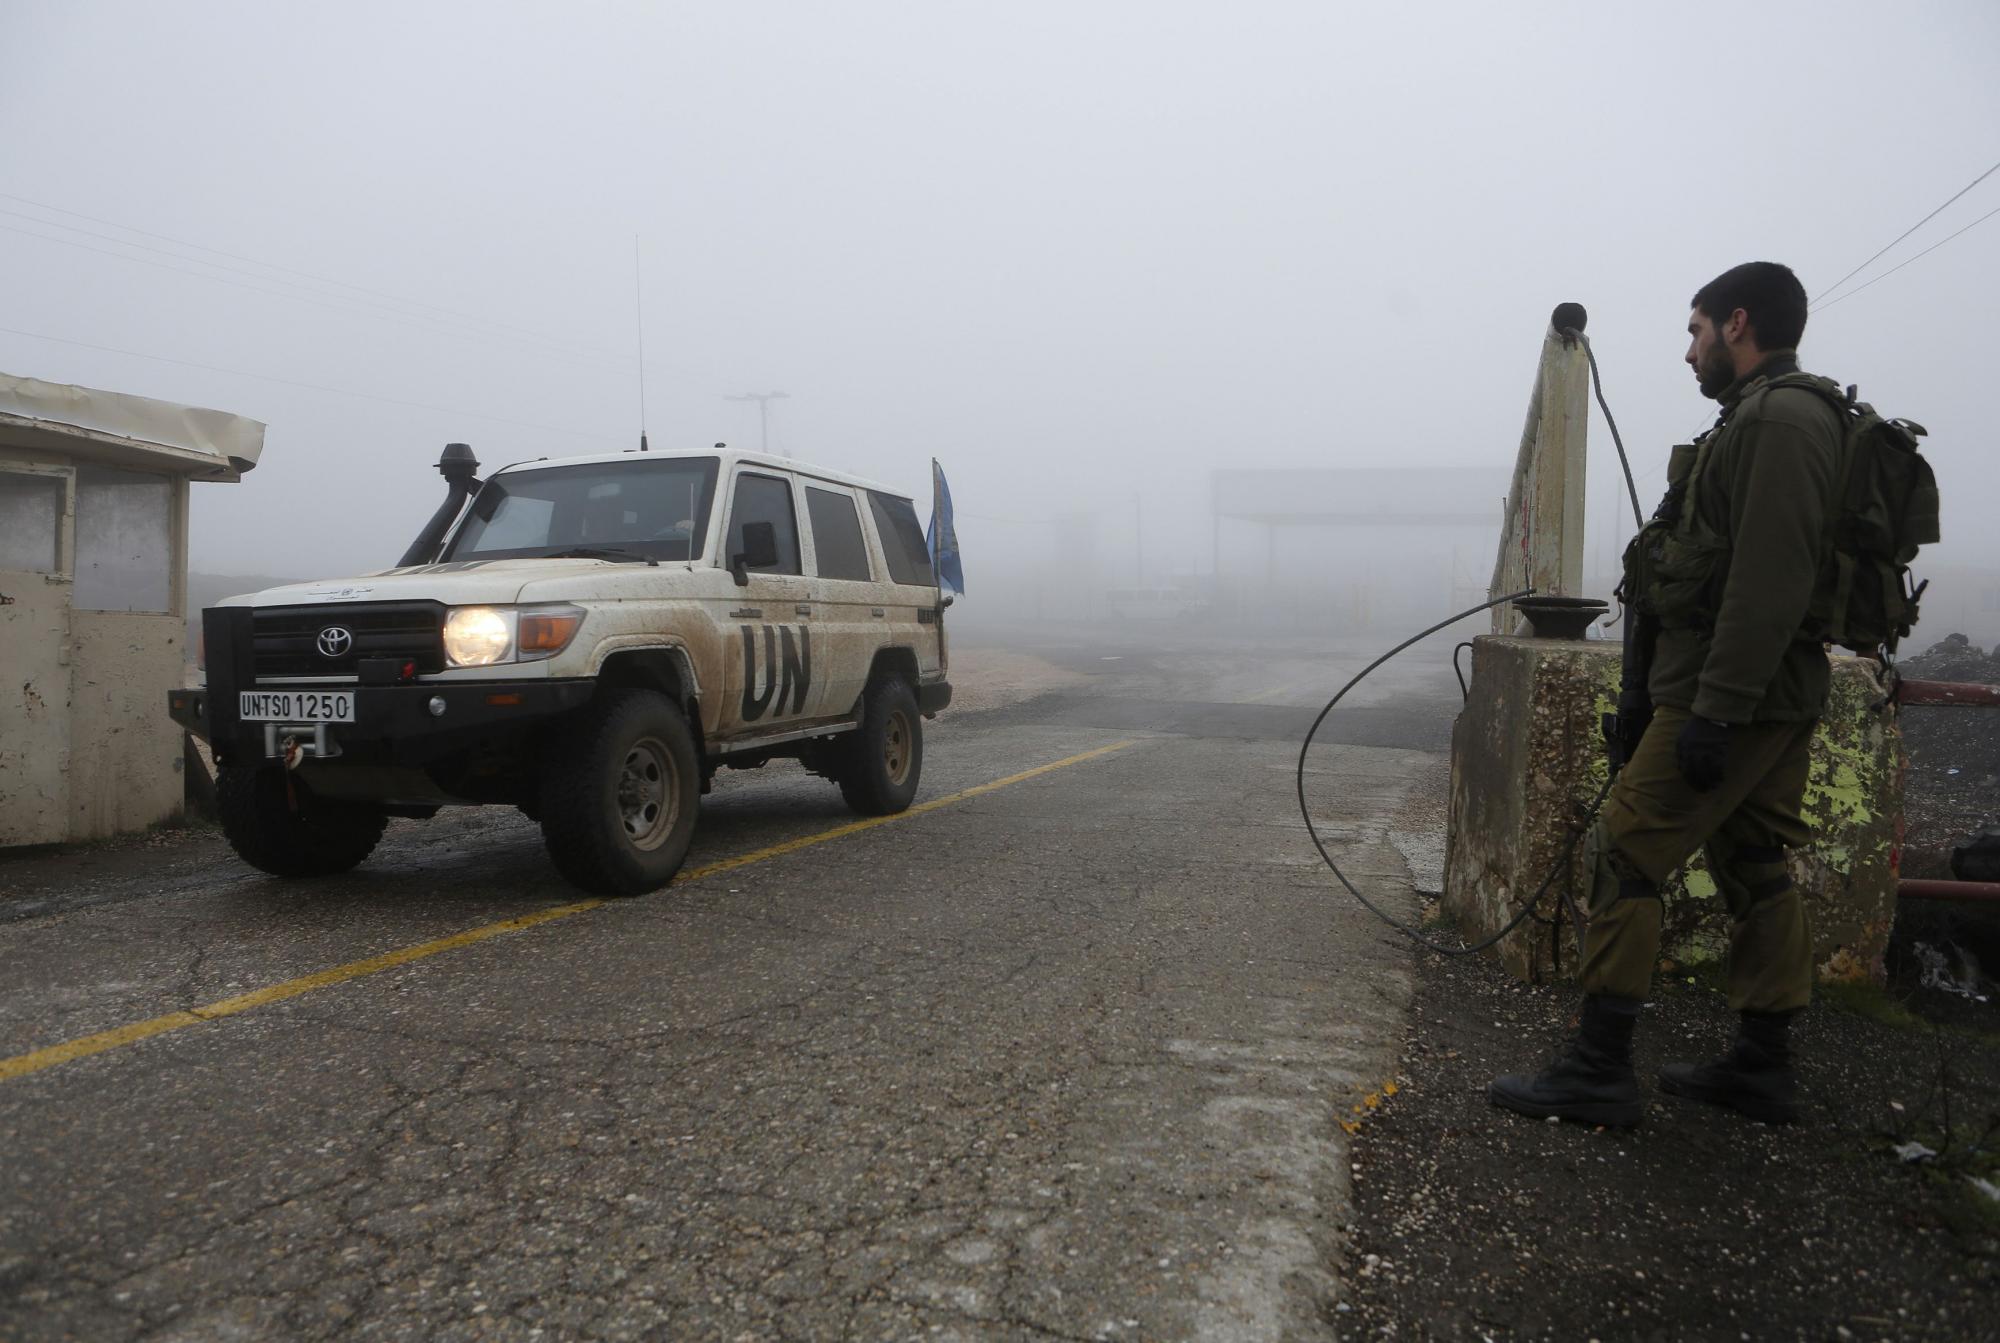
[{"x": 1716, "y": 371}]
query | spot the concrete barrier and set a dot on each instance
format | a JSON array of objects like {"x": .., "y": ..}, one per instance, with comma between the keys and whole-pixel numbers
[{"x": 1528, "y": 759}]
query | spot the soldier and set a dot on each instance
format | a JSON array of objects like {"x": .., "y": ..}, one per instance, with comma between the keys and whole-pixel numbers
[{"x": 1723, "y": 575}]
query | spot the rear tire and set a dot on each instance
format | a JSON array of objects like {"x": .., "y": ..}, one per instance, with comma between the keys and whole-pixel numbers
[
  {"x": 620, "y": 792},
  {"x": 287, "y": 831},
  {"x": 885, "y": 755}
]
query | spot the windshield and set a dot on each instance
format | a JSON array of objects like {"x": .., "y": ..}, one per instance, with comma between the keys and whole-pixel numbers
[{"x": 657, "y": 508}]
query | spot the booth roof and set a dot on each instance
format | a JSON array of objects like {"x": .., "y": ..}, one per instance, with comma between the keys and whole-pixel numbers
[{"x": 124, "y": 430}]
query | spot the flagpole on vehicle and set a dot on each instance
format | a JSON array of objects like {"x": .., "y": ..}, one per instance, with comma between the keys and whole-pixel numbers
[
  {"x": 942, "y": 529},
  {"x": 936, "y": 547}
]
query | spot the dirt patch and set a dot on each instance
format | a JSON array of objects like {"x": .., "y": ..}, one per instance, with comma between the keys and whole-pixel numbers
[
  {"x": 1476, "y": 1223},
  {"x": 991, "y": 678}
]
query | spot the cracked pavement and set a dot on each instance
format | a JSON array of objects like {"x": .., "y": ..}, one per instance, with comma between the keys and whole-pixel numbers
[{"x": 1063, "y": 1060}]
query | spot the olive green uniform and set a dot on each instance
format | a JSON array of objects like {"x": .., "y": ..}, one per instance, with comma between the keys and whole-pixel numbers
[{"x": 1729, "y": 583}]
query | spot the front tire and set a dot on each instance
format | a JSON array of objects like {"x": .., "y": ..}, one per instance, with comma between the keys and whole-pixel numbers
[
  {"x": 620, "y": 793},
  {"x": 277, "y": 826},
  {"x": 885, "y": 755}
]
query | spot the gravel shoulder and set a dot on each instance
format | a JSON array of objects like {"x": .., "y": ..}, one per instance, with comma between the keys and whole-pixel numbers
[
  {"x": 1952, "y": 788},
  {"x": 1475, "y": 1223}
]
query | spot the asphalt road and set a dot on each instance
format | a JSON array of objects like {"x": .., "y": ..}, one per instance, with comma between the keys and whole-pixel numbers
[{"x": 1063, "y": 1057}]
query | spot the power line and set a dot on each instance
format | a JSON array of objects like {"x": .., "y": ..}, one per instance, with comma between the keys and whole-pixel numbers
[
  {"x": 272, "y": 265},
  {"x": 1907, "y": 232},
  {"x": 1885, "y": 274},
  {"x": 311, "y": 386},
  {"x": 310, "y": 295},
  {"x": 1918, "y": 257},
  {"x": 331, "y": 302}
]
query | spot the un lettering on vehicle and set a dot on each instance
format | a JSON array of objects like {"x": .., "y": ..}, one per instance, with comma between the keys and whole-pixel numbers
[{"x": 785, "y": 663}]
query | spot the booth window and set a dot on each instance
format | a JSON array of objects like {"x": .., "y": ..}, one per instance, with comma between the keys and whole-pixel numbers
[
  {"x": 124, "y": 541},
  {"x": 30, "y": 519}
]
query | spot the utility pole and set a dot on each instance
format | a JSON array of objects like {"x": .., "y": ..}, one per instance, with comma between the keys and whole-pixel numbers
[
  {"x": 763, "y": 400},
  {"x": 1138, "y": 541}
]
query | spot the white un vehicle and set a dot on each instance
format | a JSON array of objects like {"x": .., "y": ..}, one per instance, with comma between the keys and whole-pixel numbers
[{"x": 587, "y": 639}]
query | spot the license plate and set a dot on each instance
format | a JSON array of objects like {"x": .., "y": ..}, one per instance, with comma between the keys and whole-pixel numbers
[{"x": 295, "y": 706}]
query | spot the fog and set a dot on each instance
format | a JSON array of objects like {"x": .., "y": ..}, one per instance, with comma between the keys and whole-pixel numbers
[{"x": 1083, "y": 254}]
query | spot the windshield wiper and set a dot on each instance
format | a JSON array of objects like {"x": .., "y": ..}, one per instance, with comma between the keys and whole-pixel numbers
[{"x": 603, "y": 553}]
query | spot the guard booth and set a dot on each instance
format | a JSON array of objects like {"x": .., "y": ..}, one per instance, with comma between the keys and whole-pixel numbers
[{"x": 93, "y": 601}]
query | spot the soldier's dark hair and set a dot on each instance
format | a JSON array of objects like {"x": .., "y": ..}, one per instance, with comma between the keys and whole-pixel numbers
[{"x": 1769, "y": 294}]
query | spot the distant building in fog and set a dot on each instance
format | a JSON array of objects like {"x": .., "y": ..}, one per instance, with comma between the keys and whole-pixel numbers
[{"x": 1354, "y": 549}]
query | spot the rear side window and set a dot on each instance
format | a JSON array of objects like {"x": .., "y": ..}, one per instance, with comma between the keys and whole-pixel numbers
[
  {"x": 902, "y": 539},
  {"x": 765, "y": 499},
  {"x": 836, "y": 530}
]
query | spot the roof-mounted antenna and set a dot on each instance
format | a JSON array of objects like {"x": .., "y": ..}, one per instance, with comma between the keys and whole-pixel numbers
[{"x": 639, "y": 310}]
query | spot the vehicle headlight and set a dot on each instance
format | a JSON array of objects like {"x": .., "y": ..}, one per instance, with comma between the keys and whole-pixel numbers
[
  {"x": 478, "y": 636},
  {"x": 481, "y": 636}
]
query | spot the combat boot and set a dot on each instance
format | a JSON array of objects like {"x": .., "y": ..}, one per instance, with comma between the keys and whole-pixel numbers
[
  {"x": 1591, "y": 1080},
  {"x": 1754, "y": 1077}
]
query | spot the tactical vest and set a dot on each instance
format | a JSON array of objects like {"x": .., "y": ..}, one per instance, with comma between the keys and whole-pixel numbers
[{"x": 1675, "y": 565}]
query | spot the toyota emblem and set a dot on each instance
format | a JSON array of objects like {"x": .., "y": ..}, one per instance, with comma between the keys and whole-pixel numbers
[{"x": 335, "y": 640}]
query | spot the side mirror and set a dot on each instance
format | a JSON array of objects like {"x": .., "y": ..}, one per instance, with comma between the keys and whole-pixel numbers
[{"x": 760, "y": 551}]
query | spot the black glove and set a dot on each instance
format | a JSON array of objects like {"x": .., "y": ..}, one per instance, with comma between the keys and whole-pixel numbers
[{"x": 1702, "y": 750}]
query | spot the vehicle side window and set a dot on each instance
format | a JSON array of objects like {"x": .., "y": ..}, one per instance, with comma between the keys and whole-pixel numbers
[
  {"x": 836, "y": 530},
  {"x": 765, "y": 499},
  {"x": 903, "y": 542}
]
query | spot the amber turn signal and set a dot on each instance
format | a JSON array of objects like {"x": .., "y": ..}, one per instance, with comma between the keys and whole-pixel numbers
[{"x": 548, "y": 632}]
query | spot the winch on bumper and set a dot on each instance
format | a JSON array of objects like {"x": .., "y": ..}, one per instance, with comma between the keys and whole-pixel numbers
[{"x": 397, "y": 718}]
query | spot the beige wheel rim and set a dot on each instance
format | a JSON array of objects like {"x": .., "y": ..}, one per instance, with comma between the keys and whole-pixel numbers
[
  {"x": 898, "y": 746},
  {"x": 647, "y": 799}
]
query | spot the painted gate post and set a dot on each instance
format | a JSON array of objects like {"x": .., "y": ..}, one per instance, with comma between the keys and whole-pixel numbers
[{"x": 1541, "y": 543}]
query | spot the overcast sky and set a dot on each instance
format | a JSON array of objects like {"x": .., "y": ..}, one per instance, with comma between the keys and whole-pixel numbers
[{"x": 1074, "y": 250}]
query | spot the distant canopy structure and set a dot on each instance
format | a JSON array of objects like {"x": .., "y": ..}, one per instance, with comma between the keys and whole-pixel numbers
[
  {"x": 1356, "y": 497},
  {"x": 1352, "y": 550}
]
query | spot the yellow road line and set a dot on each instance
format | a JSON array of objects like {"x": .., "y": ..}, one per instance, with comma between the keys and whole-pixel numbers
[
  {"x": 1274, "y": 692},
  {"x": 856, "y": 827},
  {"x": 84, "y": 1046}
]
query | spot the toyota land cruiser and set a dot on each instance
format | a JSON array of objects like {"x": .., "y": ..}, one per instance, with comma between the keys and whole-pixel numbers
[{"x": 587, "y": 639}]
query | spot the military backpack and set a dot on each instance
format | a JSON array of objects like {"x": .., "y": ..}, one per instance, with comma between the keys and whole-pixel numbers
[{"x": 1886, "y": 506}]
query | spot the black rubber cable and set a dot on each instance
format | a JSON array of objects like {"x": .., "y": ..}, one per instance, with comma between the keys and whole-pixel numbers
[
  {"x": 1597, "y": 804},
  {"x": 1464, "y": 690},
  {"x": 1527, "y": 910},
  {"x": 1597, "y": 386}
]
